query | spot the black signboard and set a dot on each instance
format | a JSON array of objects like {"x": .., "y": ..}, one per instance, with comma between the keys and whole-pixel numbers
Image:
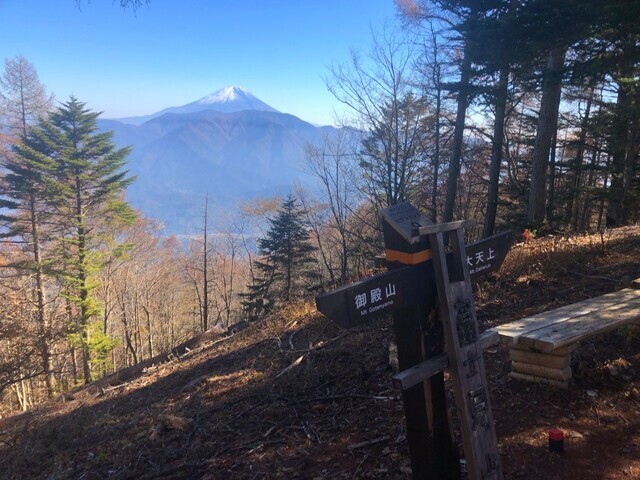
[
  {"x": 486, "y": 256},
  {"x": 381, "y": 294},
  {"x": 373, "y": 297}
]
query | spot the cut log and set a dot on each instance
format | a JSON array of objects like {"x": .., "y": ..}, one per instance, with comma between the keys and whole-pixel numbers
[
  {"x": 532, "y": 378},
  {"x": 542, "y": 359},
  {"x": 562, "y": 375}
]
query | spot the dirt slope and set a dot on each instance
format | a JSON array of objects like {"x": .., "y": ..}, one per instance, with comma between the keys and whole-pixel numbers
[{"x": 298, "y": 397}]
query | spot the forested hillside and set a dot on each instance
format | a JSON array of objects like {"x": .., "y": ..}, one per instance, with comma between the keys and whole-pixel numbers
[
  {"x": 522, "y": 116},
  {"x": 296, "y": 396}
]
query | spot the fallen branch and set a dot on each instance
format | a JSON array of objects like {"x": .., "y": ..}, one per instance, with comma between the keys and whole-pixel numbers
[
  {"x": 306, "y": 353},
  {"x": 594, "y": 277},
  {"x": 291, "y": 337},
  {"x": 358, "y": 467},
  {"x": 347, "y": 395},
  {"x": 369, "y": 442},
  {"x": 322, "y": 344},
  {"x": 115, "y": 387},
  {"x": 297, "y": 362}
]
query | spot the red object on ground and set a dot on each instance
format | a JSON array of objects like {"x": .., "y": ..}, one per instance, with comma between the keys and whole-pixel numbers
[{"x": 556, "y": 440}]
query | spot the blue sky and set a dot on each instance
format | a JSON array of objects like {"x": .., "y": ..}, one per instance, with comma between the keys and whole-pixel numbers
[{"x": 172, "y": 52}]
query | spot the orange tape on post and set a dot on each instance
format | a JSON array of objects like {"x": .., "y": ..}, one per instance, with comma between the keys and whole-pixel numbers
[{"x": 407, "y": 258}]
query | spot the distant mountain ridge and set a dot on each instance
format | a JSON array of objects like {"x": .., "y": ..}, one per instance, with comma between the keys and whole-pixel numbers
[
  {"x": 228, "y": 145},
  {"x": 227, "y": 99}
]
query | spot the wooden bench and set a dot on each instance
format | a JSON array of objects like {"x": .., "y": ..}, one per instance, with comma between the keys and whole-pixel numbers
[{"x": 541, "y": 345}]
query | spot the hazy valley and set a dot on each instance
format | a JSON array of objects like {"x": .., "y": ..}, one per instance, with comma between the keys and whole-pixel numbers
[{"x": 229, "y": 145}]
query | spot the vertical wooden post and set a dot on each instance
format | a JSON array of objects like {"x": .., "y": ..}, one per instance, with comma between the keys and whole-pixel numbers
[
  {"x": 409, "y": 291},
  {"x": 458, "y": 316},
  {"x": 418, "y": 336}
]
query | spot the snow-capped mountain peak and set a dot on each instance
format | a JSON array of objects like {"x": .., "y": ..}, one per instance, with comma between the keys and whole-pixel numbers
[
  {"x": 226, "y": 100},
  {"x": 230, "y": 99},
  {"x": 226, "y": 94}
]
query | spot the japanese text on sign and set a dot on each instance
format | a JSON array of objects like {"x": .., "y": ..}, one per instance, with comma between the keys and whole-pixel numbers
[
  {"x": 481, "y": 260},
  {"x": 375, "y": 299}
]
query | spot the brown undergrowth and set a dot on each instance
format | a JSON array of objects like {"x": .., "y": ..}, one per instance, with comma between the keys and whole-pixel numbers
[{"x": 295, "y": 396}]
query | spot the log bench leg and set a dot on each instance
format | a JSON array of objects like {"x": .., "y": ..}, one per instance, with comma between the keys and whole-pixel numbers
[{"x": 552, "y": 367}]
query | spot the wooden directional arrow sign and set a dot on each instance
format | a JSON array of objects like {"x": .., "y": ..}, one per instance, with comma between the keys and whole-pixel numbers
[
  {"x": 373, "y": 297},
  {"x": 486, "y": 256},
  {"x": 381, "y": 294}
]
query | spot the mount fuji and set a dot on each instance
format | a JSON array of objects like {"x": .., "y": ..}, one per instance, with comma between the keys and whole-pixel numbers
[
  {"x": 227, "y": 100},
  {"x": 229, "y": 145}
]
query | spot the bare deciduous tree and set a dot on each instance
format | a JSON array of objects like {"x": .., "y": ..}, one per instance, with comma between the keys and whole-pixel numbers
[
  {"x": 333, "y": 165},
  {"x": 23, "y": 98},
  {"x": 379, "y": 90}
]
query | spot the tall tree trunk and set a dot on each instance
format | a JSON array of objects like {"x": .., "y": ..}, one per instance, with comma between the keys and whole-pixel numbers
[
  {"x": 205, "y": 268},
  {"x": 458, "y": 135},
  {"x": 147, "y": 314},
  {"x": 633, "y": 180},
  {"x": 288, "y": 270},
  {"x": 615, "y": 211},
  {"x": 23, "y": 394},
  {"x": 72, "y": 348},
  {"x": 547, "y": 120},
  {"x": 436, "y": 74},
  {"x": 436, "y": 157},
  {"x": 573, "y": 205},
  {"x": 551, "y": 202},
  {"x": 584, "y": 221},
  {"x": 496, "y": 153},
  {"x": 127, "y": 336},
  {"x": 623, "y": 152},
  {"x": 601, "y": 223},
  {"x": 43, "y": 326},
  {"x": 231, "y": 285},
  {"x": 83, "y": 280}
]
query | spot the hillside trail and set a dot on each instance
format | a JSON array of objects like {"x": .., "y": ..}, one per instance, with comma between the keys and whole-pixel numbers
[{"x": 296, "y": 397}]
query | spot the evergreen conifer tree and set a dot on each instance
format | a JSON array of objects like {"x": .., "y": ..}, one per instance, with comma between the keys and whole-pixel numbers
[
  {"x": 285, "y": 260},
  {"x": 77, "y": 173}
]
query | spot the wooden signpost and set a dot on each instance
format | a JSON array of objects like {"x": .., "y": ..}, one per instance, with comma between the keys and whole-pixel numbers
[
  {"x": 432, "y": 448},
  {"x": 458, "y": 316},
  {"x": 412, "y": 288}
]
